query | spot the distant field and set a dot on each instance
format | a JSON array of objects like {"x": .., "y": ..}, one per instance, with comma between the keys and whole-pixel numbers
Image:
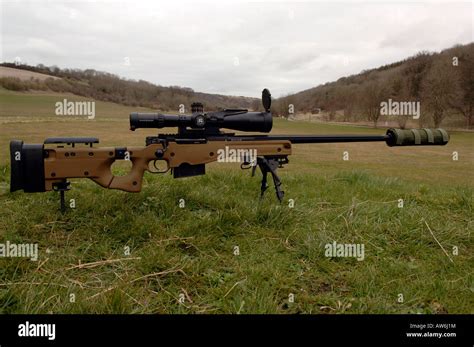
[
  {"x": 23, "y": 74},
  {"x": 452, "y": 122},
  {"x": 190, "y": 251},
  {"x": 41, "y": 107}
]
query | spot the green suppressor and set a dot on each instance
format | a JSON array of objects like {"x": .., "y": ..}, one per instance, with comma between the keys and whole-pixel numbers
[{"x": 417, "y": 137}]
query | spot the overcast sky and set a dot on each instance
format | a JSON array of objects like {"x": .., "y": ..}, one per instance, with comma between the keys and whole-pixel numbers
[{"x": 235, "y": 49}]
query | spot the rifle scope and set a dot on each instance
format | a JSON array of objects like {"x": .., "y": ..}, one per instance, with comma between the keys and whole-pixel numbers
[{"x": 235, "y": 119}]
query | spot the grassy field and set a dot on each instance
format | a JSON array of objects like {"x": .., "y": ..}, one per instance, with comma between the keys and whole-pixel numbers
[{"x": 183, "y": 260}]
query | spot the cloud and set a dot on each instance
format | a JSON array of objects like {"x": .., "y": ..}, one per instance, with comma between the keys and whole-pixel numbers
[{"x": 228, "y": 48}]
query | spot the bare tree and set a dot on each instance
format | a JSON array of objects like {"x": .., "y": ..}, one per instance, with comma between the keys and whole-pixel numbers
[
  {"x": 463, "y": 98},
  {"x": 399, "y": 91},
  {"x": 438, "y": 89},
  {"x": 373, "y": 95}
]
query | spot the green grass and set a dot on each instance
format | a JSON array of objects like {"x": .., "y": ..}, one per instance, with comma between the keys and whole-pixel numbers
[
  {"x": 190, "y": 250},
  {"x": 41, "y": 105}
]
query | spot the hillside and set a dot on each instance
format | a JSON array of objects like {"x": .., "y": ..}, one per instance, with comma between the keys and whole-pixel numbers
[
  {"x": 442, "y": 82},
  {"x": 23, "y": 75},
  {"x": 107, "y": 87}
]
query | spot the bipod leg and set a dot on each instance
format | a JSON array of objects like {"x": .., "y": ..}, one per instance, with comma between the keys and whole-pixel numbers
[
  {"x": 62, "y": 187},
  {"x": 270, "y": 165}
]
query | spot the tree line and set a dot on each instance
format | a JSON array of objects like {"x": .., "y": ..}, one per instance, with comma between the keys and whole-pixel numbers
[
  {"x": 442, "y": 83},
  {"x": 109, "y": 87}
]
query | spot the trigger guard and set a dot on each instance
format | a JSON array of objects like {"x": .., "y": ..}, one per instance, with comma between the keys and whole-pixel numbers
[{"x": 158, "y": 171}]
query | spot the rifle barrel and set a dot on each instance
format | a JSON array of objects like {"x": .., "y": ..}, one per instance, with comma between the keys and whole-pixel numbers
[
  {"x": 393, "y": 137},
  {"x": 317, "y": 138},
  {"x": 330, "y": 138}
]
